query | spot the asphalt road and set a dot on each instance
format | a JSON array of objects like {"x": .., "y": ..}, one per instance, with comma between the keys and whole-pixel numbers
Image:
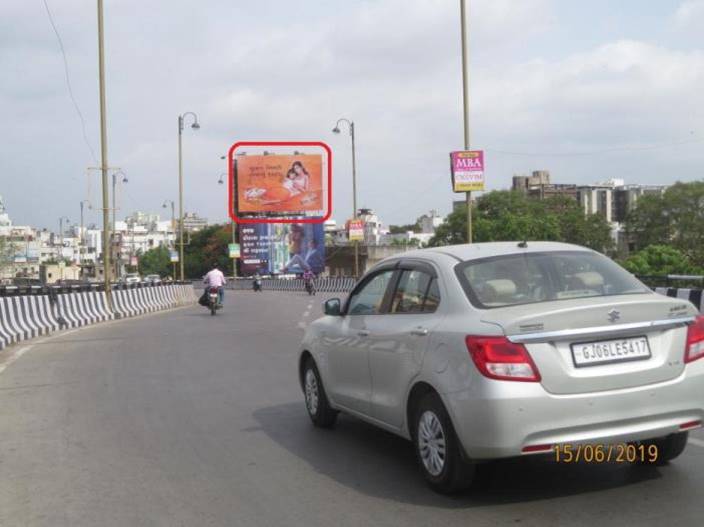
[{"x": 183, "y": 419}]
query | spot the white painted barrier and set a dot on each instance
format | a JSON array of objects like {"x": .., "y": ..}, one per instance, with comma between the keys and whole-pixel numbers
[{"x": 29, "y": 316}]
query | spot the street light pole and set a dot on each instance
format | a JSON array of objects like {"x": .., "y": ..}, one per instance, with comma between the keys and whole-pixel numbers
[
  {"x": 104, "y": 158},
  {"x": 61, "y": 236},
  {"x": 354, "y": 185},
  {"x": 221, "y": 181},
  {"x": 173, "y": 229},
  {"x": 465, "y": 103},
  {"x": 195, "y": 126},
  {"x": 82, "y": 239},
  {"x": 114, "y": 209}
]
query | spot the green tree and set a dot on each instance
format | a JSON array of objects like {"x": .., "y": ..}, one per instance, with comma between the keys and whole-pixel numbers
[
  {"x": 402, "y": 229},
  {"x": 660, "y": 260},
  {"x": 207, "y": 246},
  {"x": 156, "y": 261},
  {"x": 676, "y": 218},
  {"x": 511, "y": 216}
]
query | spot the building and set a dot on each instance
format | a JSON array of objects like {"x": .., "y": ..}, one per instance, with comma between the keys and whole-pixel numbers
[
  {"x": 193, "y": 223},
  {"x": 430, "y": 222},
  {"x": 373, "y": 231},
  {"x": 538, "y": 185}
]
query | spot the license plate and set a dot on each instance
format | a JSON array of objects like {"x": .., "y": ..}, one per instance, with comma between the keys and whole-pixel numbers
[{"x": 608, "y": 351}]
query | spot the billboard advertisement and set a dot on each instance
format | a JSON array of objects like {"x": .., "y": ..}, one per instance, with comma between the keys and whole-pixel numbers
[
  {"x": 270, "y": 248},
  {"x": 233, "y": 250},
  {"x": 279, "y": 184},
  {"x": 355, "y": 230},
  {"x": 467, "y": 169}
]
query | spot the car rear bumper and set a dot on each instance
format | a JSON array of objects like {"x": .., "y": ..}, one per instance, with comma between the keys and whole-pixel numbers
[{"x": 501, "y": 418}]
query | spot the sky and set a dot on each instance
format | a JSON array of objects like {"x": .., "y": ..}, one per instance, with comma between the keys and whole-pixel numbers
[{"x": 587, "y": 90}]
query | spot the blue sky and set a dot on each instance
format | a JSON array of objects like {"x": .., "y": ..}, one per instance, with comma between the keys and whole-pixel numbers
[{"x": 588, "y": 91}]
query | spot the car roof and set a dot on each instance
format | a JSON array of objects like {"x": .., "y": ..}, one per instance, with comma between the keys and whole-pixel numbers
[{"x": 465, "y": 252}]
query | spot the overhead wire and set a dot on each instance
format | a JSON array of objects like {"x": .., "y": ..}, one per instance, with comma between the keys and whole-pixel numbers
[{"x": 68, "y": 82}]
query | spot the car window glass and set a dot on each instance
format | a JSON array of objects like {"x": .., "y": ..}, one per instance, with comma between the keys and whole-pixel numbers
[
  {"x": 539, "y": 277},
  {"x": 432, "y": 298},
  {"x": 369, "y": 299},
  {"x": 410, "y": 292}
]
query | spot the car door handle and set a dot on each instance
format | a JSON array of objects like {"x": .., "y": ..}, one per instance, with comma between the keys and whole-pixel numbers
[
  {"x": 363, "y": 333},
  {"x": 419, "y": 332}
]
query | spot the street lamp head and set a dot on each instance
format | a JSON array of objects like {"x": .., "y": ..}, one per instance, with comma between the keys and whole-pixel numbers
[
  {"x": 221, "y": 181},
  {"x": 124, "y": 179},
  {"x": 195, "y": 126},
  {"x": 336, "y": 130}
]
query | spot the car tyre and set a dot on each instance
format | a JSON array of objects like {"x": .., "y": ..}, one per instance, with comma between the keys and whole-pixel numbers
[
  {"x": 317, "y": 404},
  {"x": 669, "y": 447},
  {"x": 438, "y": 449}
]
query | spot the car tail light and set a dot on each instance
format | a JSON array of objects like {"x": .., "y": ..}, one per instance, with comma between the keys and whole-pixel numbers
[
  {"x": 499, "y": 358},
  {"x": 695, "y": 340},
  {"x": 532, "y": 449},
  {"x": 690, "y": 425}
]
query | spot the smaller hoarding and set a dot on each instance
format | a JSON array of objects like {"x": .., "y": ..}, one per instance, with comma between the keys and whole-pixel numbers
[
  {"x": 355, "y": 230},
  {"x": 234, "y": 250},
  {"x": 467, "y": 168},
  {"x": 173, "y": 256}
]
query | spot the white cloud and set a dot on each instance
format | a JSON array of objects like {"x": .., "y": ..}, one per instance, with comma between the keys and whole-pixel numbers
[{"x": 273, "y": 70}]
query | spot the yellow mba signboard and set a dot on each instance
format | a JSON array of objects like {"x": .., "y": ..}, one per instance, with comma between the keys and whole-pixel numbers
[{"x": 467, "y": 168}]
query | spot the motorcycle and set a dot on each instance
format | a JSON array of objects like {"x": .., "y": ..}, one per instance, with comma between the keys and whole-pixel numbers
[
  {"x": 213, "y": 302},
  {"x": 257, "y": 285},
  {"x": 310, "y": 288}
]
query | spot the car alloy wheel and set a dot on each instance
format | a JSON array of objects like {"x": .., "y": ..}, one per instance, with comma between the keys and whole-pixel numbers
[
  {"x": 431, "y": 443},
  {"x": 311, "y": 391}
]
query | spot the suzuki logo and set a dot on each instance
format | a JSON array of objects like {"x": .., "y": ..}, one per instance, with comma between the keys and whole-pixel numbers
[{"x": 613, "y": 315}]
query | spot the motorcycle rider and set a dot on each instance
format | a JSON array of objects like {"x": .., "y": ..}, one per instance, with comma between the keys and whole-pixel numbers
[
  {"x": 257, "y": 283},
  {"x": 215, "y": 278},
  {"x": 308, "y": 280}
]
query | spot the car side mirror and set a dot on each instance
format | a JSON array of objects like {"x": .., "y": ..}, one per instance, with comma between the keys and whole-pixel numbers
[{"x": 332, "y": 307}]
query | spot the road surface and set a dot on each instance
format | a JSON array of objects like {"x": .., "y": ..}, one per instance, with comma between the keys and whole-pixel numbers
[{"x": 183, "y": 419}]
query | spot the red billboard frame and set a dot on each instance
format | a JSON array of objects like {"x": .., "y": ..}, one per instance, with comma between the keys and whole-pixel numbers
[{"x": 231, "y": 182}]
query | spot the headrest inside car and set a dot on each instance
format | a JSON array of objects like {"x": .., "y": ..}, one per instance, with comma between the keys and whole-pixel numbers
[
  {"x": 589, "y": 280},
  {"x": 496, "y": 290}
]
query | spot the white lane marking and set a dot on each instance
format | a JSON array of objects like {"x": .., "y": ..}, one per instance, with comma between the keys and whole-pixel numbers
[
  {"x": 696, "y": 441},
  {"x": 302, "y": 325},
  {"x": 13, "y": 357}
]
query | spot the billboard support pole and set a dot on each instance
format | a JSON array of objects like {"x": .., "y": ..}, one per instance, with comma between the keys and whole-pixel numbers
[{"x": 465, "y": 103}]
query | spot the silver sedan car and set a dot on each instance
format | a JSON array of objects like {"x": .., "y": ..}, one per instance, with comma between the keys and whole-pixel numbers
[{"x": 493, "y": 350}]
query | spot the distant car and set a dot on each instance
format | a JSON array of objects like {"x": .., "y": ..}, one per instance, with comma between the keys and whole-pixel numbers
[
  {"x": 493, "y": 350},
  {"x": 152, "y": 279},
  {"x": 132, "y": 278}
]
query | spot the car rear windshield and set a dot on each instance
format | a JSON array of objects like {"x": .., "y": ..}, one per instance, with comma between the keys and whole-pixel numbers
[{"x": 542, "y": 277}]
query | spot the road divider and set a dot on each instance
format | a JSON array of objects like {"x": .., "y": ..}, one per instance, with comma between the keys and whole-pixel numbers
[
  {"x": 335, "y": 284},
  {"x": 27, "y": 316},
  {"x": 693, "y": 295}
]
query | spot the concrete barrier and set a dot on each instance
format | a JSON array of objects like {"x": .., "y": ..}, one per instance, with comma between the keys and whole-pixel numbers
[
  {"x": 28, "y": 316},
  {"x": 336, "y": 284},
  {"x": 693, "y": 295}
]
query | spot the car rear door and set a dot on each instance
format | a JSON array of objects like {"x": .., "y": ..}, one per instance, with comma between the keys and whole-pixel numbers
[
  {"x": 347, "y": 346},
  {"x": 399, "y": 338}
]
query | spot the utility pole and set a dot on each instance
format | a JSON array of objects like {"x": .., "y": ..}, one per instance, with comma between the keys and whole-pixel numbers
[
  {"x": 465, "y": 103},
  {"x": 104, "y": 159}
]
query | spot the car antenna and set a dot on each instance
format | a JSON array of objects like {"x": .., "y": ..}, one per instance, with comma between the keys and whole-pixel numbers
[{"x": 523, "y": 244}]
